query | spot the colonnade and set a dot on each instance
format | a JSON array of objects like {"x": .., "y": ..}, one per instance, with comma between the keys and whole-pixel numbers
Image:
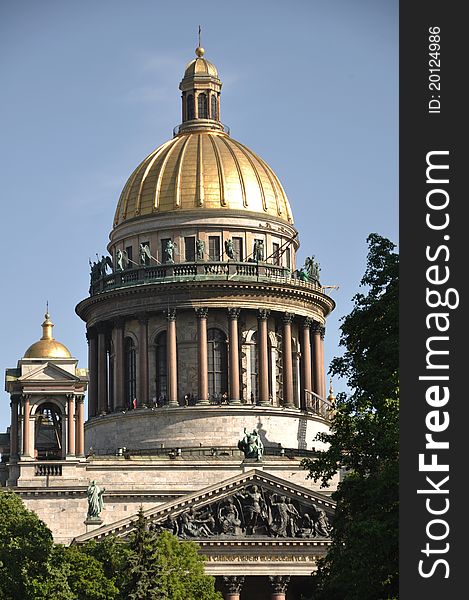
[
  {"x": 311, "y": 360},
  {"x": 233, "y": 586},
  {"x": 72, "y": 414}
]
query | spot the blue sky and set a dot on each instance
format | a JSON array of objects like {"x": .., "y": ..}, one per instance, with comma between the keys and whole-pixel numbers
[{"x": 90, "y": 88}]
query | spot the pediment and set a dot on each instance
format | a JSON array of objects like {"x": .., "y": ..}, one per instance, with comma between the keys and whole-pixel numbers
[
  {"x": 252, "y": 506},
  {"x": 47, "y": 372}
]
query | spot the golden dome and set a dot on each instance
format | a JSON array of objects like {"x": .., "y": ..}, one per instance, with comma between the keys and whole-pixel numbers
[
  {"x": 200, "y": 66},
  {"x": 47, "y": 346},
  {"x": 202, "y": 169}
]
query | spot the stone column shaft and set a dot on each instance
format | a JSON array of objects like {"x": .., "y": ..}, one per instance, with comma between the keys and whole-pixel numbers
[
  {"x": 93, "y": 373},
  {"x": 119, "y": 365},
  {"x": 322, "y": 374},
  {"x": 287, "y": 362},
  {"x": 14, "y": 428},
  {"x": 143, "y": 362},
  {"x": 317, "y": 360},
  {"x": 263, "y": 356},
  {"x": 171, "y": 350},
  {"x": 306, "y": 362},
  {"x": 233, "y": 315},
  {"x": 26, "y": 442},
  {"x": 80, "y": 427},
  {"x": 70, "y": 425},
  {"x": 202, "y": 357},
  {"x": 102, "y": 372}
]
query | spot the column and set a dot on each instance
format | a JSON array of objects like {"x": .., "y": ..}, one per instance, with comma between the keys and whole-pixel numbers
[
  {"x": 14, "y": 427},
  {"x": 322, "y": 374},
  {"x": 93, "y": 372},
  {"x": 316, "y": 357},
  {"x": 102, "y": 370},
  {"x": 287, "y": 361},
  {"x": 202, "y": 355},
  {"x": 70, "y": 425},
  {"x": 143, "y": 361},
  {"x": 306, "y": 362},
  {"x": 233, "y": 584},
  {"x": 263, "y": 356},
  {"x": 119, "y": 364},
  {"x": 279, "y": 585},
  {"x": 26, "y": 442},
  {"x": 171, "y": 356},
  {"x": 233, "y": 360},
  {"x": 80, "y": 426}
]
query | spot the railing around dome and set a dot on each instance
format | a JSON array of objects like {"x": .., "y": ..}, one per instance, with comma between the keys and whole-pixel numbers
[
  {"x": 198, "y": 123},
  {"x": 318, "y": 406},
  {"x": 199, "y": 271}
]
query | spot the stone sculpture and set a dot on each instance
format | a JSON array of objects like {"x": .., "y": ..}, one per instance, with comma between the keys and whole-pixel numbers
[{"x": 95, "y": 501}]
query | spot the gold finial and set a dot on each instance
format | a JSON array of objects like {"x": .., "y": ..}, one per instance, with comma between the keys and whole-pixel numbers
[
  {"x": 47, "y": 326},
  {"x": 199, "y": 51},
  {"x": 331, "y": 396}
]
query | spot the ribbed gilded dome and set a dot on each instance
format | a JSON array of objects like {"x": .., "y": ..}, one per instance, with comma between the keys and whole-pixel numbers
[
  {"x": 205, "y": 169},
  {"x": 200, "y": 66},
  {"x": 47, "y": 346}
]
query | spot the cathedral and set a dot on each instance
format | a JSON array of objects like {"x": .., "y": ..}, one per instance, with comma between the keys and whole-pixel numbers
[{"x": 205, "y": 382}]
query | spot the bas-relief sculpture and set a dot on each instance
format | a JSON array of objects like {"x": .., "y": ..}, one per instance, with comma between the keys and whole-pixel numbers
[{"x": 250, "y": 511}]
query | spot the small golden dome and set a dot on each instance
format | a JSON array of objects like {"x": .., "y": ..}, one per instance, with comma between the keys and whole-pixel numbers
[
  {"x": 200, "y": 67},
  {"x": 202, "y": 169},
  {"x": 47, "y": 346}
]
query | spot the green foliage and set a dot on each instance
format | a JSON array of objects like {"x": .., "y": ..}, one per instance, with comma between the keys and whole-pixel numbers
[
  {"x": 182, "y": 571},
  {"x": 147, "y": 567},
  {"x": 364, "y": 439},
  {"x": 25, "y": 546}
]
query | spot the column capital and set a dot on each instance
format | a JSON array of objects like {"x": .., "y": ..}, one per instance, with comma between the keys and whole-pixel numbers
[
  {"x": 101, "y": 327},
  {"x": 91, "y": 334},
  {"x": 170, "y": 314},
  {"x": 316, "y": 327},
  {"x": 25, "y": 397},
  {"x": 142, "y": 318},
  {"x": 279, "y": 583},
  {"x": 80, "y": 399},
  {"x": 263, "y": 314},
  {"x": 201, "y": 312},
  {"x": 233, "y": 584},
  {"x": 70, "y": 397},
  {"x": 233, "y": 313},
  {"x": 322, "y": 331},
  {"x": 119, "y": 322},
  {"x": 287, "y": 318},
  {"x": 307, "y": 322}
]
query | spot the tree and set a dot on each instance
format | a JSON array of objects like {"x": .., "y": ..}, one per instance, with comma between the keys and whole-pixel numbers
[
  {"x": 25, "y": 547},
  {"x": 182, "y": 571},
  {"x": 364, "y": 440},
  {"x": 142, "y": 570},
  {"x": 163, "y": 568}
]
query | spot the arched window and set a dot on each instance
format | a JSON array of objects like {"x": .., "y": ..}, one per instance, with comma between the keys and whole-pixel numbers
[
  {"x": 190, "y": 107},
  {"x": 213, "y": 108},
  {"x": 217, "y": 363},
  {"x": 130, "y": 373},
  {"x": 202, "y": 106},
  {"x": 48, "y": 433},
  {"x": 161, "y": 368}
]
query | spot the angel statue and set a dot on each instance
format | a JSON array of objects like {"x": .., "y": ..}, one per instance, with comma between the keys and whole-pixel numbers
[
  {"x": 229, "y": 249},
  {"x": 312, "y": 268},
  {"x": 145, "y": 254},
  {"x": 122, "y": 260},
  {"x": 251, "y": 445}
]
